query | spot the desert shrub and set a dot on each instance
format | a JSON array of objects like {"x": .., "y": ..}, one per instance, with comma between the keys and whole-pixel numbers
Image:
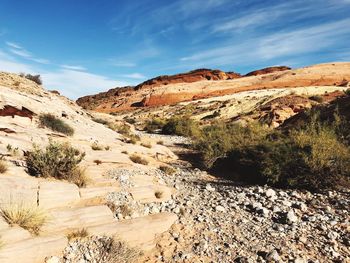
[
  {"x": 347, "y": 92},
  {"x": 154, "y": 124},
  {"x": 78, "y": 234},
  {"x": 107, "y": 148},
  {"x": 183, "y": 126},
  {"x": 316, "y": 98},
  {"x": 160, "y": 142},
  {"x": 35, "y": 78},
  {"x": 50, "y": 121},
  {"x": 167, "y": 169},
  {"x": 14, "y": 151},
  {"x": 101, "y": 121},
  {"x": 217, "y": 140},
  {"x": 116, "y": 251},
  {"x": 29, "y": 217},
  {"x": 133, "y": 138},
  {"x": 56, "y": 160},
  {"x": 158, "y": 194},
  {"x": 311, "y": 158},
  {"x": 96, "y": 147},
  {"x": 79, "y": 178},
  {"x": 130, "y": 120},
  {"x": 138, "y": 159},
  {"x": 3, "y": 167}
]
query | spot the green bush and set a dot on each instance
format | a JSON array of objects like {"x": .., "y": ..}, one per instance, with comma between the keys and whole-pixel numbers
[
  {"x": 35, "y": 78},
  {"x": 312, "y": 158},
  {"x": 101, "y": 121},
  {"x": 56, "y": 160},
  {"x": 154, "y": 124},
  {"x": 183, "y": 126},
  {"x": 50, "y": 121},
  {"x": 217, "y": 140}
]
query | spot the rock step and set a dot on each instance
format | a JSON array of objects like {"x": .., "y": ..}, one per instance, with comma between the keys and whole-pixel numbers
[
  {"x": 33, "y": 250},
  {"x": 151, "y": 193},
  {"x": 97, "y": 191},
  {"x": 14, "y": 234},
  {"x": 139, "y": 232},
  {"x": 68, "y": 219}
]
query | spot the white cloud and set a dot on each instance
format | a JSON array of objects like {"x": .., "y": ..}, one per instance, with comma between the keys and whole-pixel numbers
[
  {"x": 134, "y": 76},
  {"x": 281, "y": 44},
  {"x": 8, "y": 64},
  {"x": 122, "y": 64},
  {"x": 21, "y": 52},
  {"x": 74, "y": 84},
  {"x": 78, "y": 68},
  {"x": 13, "y": 45}
]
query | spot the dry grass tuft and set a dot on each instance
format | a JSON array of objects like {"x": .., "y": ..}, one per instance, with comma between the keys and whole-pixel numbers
[
  {"x": 138, "y": 159},
  {"x": 96, "y": 147},
  {"x": 167, "y": 169},
  {"x": 116, "y": 251},
  {"x": 78, "y": 234},
  {"x": 29, "y": 217},
  {"x": 158, "y": 194},
  {"x": 52, "y": 122},
  {"x": 3, "y": 167}
]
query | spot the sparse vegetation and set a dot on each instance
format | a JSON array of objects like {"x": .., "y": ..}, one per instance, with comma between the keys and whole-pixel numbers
[
  {"x": 98, "y": 162},
  {"x": 116, "y": 251},
  {"x": 160, "y": 142},
  {"x": 29, "y": 217},
  {"x": 138, "y": 159},
  {"x": 154, "y": 124},
  {"x": 78, "y": 234},
  {"x": 96, "y": 147},
  {"x": 107, "y": 148},
  {"x": 3, "y": 167},
  {"x": 57, "y": 160},
  {"x": 158, "y": 194},
  {"x": 297, "y": 158},
  {"x": 347, "y": 92},
  {"x": 183, "y": 126},
  {"x": 13, "y": 151},
  {"x": 35, "y": 78},
  {"x": 101, "y": 121},
  {"x": 316, "y": 98},
  {"x": 52, "y": 122},
  {"x": 167, "y": 169},
  {"x": 124, "y": 152}
]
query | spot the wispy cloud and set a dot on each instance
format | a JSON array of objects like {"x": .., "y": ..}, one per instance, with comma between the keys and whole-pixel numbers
[
  {"x": 18, "y": 50},
  {"x": 71, "y": 67},
  {"x": 134, "y": 76},
  {"x": 122, "y": 64},
  {"x": 276, "y": 45}
]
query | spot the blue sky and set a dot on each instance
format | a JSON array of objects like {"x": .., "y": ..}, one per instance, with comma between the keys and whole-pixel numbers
[{"x": 82, "y": 47}]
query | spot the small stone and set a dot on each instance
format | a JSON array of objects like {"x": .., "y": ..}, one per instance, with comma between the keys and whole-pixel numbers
[
  {"x": 209, "y": 188},
  {"x": 220, "y": 208},
  {"x": 291, "y": 218},
  {"x": 273, "y": 256},
  {"x": 270, "y": 193}
]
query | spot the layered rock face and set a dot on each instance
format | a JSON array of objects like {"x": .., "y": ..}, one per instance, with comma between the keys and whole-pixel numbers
[{"x": 200, "y": 84}]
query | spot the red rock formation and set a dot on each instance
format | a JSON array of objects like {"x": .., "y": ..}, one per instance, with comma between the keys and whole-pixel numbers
[
  {"x": 9, "y": 110},
  {"x": 267, "y": 70},
  {"x": 204, "y": 83}
]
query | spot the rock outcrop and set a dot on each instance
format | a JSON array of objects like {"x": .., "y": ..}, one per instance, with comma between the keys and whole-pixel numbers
[
  {"x": 200, "y": 84},
  {"x": 267, "y": 71}
]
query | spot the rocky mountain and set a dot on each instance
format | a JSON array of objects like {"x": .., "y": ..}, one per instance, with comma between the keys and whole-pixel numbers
[{"x": 196, "y": 85}]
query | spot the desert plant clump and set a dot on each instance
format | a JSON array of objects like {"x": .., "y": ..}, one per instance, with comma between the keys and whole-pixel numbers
[
  {"x": 316, "y": 98},
  {"x": 313, "y": 157},
  {"x": 78, "y": 234},
  {"x": 35, "y": 78},
  {"x": 160, "y": 142},
  {"x": 167, "y": 169},
  {"x": 96, "y": 147},
  {"x": 183, "y": 126},
  {"x": 97, "y": 162},
  {"x": 154, "y": 124},
  {"x": 27, "y": 216},
  {"x": 158, "y": 194},
  {"x": 100, "y": 121},
  {"x": 14, "y": 151},
  {"x": 138, "y": 159},
  {"x": 114, "y": 250},
  {"x": 3, "y": 167},
  {"x": 57, "y": 160},
  {"x": 347, "y": 92},
  {"x": 55, "y": 124}
]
